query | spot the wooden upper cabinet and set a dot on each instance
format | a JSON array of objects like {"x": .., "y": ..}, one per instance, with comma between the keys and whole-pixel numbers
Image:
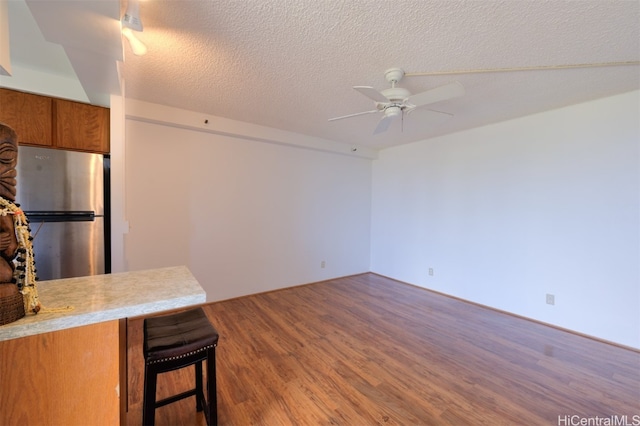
[
  {"x": 80, "y": 126},
  {"x": 29, "y": 115},
  {"x": 55, "y": 123}
]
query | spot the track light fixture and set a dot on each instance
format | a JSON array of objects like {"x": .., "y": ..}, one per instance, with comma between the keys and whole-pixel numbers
[{"x": 130, "y": 23}]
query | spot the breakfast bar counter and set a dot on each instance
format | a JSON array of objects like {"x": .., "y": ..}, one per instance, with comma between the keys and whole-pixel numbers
[
  {"x": 67, "y": 364},
  {"x": 100, "y": 298}
]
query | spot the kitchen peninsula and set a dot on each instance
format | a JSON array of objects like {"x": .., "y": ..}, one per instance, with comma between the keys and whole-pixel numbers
[{"x": 69, "y": 367}]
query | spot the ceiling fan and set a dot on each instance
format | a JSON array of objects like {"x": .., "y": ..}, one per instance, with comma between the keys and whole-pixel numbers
[{"x": 396, "y": 101}]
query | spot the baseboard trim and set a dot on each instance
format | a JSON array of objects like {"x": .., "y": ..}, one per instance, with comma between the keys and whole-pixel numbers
[{"x": 557, "y": 327}]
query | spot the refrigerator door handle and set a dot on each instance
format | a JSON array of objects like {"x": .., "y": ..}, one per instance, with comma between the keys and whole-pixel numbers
[{"x": 58, "y": 216}]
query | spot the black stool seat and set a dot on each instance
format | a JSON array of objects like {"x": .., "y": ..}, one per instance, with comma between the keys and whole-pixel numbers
[{"x": 176, "y": 341}]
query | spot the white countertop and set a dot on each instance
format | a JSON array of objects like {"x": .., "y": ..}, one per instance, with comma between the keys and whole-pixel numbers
[{"x": 100, "y": 298}]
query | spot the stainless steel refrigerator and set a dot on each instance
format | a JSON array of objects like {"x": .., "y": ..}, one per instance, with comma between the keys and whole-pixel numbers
[{"x": 64, "y": 194}]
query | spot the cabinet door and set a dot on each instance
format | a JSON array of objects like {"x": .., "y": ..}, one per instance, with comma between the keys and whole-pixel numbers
[
  {"x": 81, "y": 127},
  {"x": 65, "y": 377},
  {"x": 29, "y": 115}
]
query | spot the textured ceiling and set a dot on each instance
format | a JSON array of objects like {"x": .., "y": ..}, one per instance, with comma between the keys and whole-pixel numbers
[{"x": 291, "y": 64}]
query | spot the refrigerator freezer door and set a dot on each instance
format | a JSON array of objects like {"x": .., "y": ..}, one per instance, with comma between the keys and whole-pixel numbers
[
  {"x": 57, "y": 180},
  {"x": 68, "y": 249}
]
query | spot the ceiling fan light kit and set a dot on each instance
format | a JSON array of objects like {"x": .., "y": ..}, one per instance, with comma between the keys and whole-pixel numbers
[{"x": 393, "y": 111}]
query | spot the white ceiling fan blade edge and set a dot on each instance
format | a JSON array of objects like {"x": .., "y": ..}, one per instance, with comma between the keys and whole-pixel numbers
[
  {"x": 422, "y": 109},
  {"x": 442, "y": 93},
  {"x": 353, "y": 115},
  {"x": 371, "y": 93},
  {"x": 383, "y": 124}
]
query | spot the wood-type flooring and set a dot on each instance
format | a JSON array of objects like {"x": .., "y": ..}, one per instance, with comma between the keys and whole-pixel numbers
[{"x": 368, "y": 350}]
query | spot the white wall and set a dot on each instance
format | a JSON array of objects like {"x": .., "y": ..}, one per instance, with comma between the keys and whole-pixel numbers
[
  {"x": 245, "y": 216},
  {"x": 119, "y": 224},
  {"x": 34, "y": 81},
  {"x": 507, "y": 213}
]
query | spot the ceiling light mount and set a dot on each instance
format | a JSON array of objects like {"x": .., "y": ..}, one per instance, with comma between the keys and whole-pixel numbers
[{"x": 394, "y": 75}]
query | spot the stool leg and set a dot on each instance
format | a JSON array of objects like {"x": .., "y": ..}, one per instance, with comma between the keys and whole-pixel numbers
[
  {"x": 199, "y": 391},
  {"x": 149, "y": 396},
  {"x": 211, "y": 387}
]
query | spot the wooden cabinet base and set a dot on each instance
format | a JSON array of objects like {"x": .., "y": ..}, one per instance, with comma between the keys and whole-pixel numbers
[{"x": 67, "y": 377}]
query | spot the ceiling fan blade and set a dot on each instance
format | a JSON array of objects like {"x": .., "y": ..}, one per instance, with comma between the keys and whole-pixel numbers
[
  {"x": 432, "y": 112},
  {"x": 442, "y": 93},
  {"x": 383, "y": 124},
  {"x": 371, "y": 93},
  {"x": 353, "y": 115}
]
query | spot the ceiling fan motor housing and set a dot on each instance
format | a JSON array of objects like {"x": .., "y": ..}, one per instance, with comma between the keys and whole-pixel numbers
[{"x": 396, "y": 94}]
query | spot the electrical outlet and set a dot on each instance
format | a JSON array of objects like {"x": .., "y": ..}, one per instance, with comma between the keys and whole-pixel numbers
[
  {"x": 323, "y": 264},
  {"x": 551, "y": 299},
  {"x": 431, "y": 271}
]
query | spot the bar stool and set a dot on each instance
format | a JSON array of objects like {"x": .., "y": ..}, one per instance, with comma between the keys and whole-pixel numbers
[{"x": 176, "y": 341}]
